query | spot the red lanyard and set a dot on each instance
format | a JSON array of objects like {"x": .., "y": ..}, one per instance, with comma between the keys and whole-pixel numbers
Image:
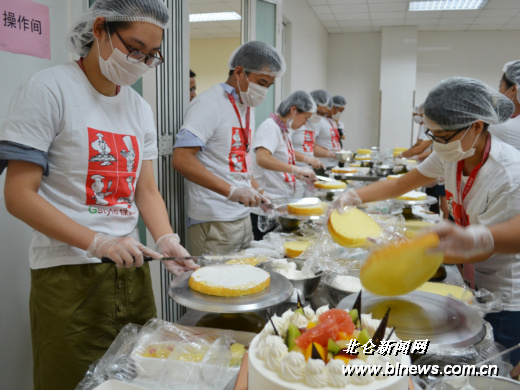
[
  {"x": 336, "y": 133},
  {"x": 287, "y": 139},
  {"x": 471, "y": 179},
  {"x": 245, "y": 135}
]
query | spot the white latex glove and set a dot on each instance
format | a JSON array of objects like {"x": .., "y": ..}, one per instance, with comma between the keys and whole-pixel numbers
[
  {"x": 169, "y": 246},
  {"x": 303, "y": 173},
  {"x": 124, "y": 251},
  {"x": 248, "y": 196},
  {"x": 313, "y": 162},
  {"x": 466, "y": 242},
  {"x": 347, "y": 198},
  {"x": 331, "y": 154}
]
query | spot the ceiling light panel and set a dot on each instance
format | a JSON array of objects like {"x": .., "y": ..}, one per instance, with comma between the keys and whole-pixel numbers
[
  {"x": 214, "y": 17},
  {"x": 446, "y": 5}
]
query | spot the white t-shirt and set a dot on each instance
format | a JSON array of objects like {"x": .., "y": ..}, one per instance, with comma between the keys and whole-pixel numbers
[
  {"x": 212, "y": 118},
  {"x": 422, "y": 132},
  {"x": 271, "y": 137},
  {"x": 509, "y": 131},
  {"x": 95, "y": 144},
  {"x": 303, "y": 141},
  {"x": 328, "y": 137},
  {"x": 493, "y": 198}
]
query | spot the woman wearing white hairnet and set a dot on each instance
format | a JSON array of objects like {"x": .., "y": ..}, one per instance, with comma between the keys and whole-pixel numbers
[
  {"x": 327, "y": 134},
  {"x": 79, "y": 145},
  {"x": 339, "y": 103},
  {"x": 274, "y": 161},
  {"x": 482, "y": 182},
  {"x": 509, "y": 131},
  {"x": 305, "y": 138}
]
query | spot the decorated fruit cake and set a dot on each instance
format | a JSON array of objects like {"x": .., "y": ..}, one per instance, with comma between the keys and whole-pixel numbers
[
  {"x": 310, "y": 349},
  {"x": 229, "y": 280}
]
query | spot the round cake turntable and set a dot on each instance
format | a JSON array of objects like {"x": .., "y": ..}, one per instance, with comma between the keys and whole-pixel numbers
[
  {"x": 419, "y": 315},
  {"x": 279, "y": 290}
]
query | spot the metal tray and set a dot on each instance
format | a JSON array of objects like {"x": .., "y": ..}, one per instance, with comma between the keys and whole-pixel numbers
[
  {"x": 279, "y": 290},
  {"x": 357, "y": 176},
  {"x": 429, "y": 200},
  {"x": 419, "y": 315}
]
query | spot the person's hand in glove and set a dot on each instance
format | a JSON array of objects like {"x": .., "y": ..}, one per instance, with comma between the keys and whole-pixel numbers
[
  {"x": 124, "y": 251},
  {"x": 468, "y": 242},
  {"x": 313, "y": 162},
  {"x": 303, "y": 173},
  {"x": 169, "y": 246},
  {"x": 347, "y": 198},
  {"x": 248, "y": 196}
]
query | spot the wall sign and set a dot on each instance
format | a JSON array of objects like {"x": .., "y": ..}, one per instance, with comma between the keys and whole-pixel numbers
[{"x": 25, "y": 28}]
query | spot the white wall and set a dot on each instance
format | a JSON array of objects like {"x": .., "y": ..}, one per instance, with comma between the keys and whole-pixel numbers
[
  {"x": 209, "y": 60},
  {"x": 477, "y": 54},
  {"x": 15, "y": 236},
  {"x": 354, "y": 71},
  {"x": 308, "y": 47}
]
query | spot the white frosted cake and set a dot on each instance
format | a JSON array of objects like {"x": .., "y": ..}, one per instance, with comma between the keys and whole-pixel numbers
[
  {"x": 272, "y": 366},
  {"x": 229, "y": 280}
]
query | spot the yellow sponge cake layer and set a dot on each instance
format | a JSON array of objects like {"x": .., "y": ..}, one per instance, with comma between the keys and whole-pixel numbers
[
  {"x": 401, "y": 267},
  {"x": 295, "y": 248},
  {"x": 330, "y": 185},
  {"x": 413, "y": 195},
  {"x": 306, "y": 209},
  {"x": 444, "y": 289},
  {"x": 364, "y": 151},
  {"x": 352, "y": 228},
  {"x": 343, "y": 170},
  {"x": 229, "y": 280}
]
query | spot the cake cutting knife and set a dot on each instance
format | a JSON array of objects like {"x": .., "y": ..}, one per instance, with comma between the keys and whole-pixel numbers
[
  {"x": 149, "y": 258},
  {"x": 324, "y": 178}
]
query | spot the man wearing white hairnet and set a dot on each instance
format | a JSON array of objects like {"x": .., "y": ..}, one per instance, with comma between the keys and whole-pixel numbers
[
  {"x": 212, "y": 151},
  {"x": 509, "y": 131}
]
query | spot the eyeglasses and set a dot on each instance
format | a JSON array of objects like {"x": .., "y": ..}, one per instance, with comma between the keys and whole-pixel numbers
[
  {"x": 443, "y": 140},
  {"x": 136, "y": 56}
]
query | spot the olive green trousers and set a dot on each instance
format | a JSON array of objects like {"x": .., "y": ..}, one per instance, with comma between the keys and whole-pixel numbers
[{"x": 76, "y": 313}]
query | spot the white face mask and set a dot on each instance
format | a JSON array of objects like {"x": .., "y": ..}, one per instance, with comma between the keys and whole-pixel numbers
[
  {"x": 336, "y": 116},
  {"x": 118, "y": 69},
  {"x": 290, "y": 122},
  {"x": 453, "y": 151},
  {"x": 417, "y": 119},
  {"x": 517, "y": 93},
  {"x": 255, "y": 94}
]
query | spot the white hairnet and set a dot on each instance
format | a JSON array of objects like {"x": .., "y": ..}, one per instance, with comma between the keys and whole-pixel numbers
[
  {"x": 151, "y": 11},
  {"x": 301, "y": 99},
  {"x": 322, "y": 98},
  {"x": 258, "y": 57},
  {"x": 339, "y": 101},
  {"x": 457, "y": 102},
  {"x": 512, "y": 72}
]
